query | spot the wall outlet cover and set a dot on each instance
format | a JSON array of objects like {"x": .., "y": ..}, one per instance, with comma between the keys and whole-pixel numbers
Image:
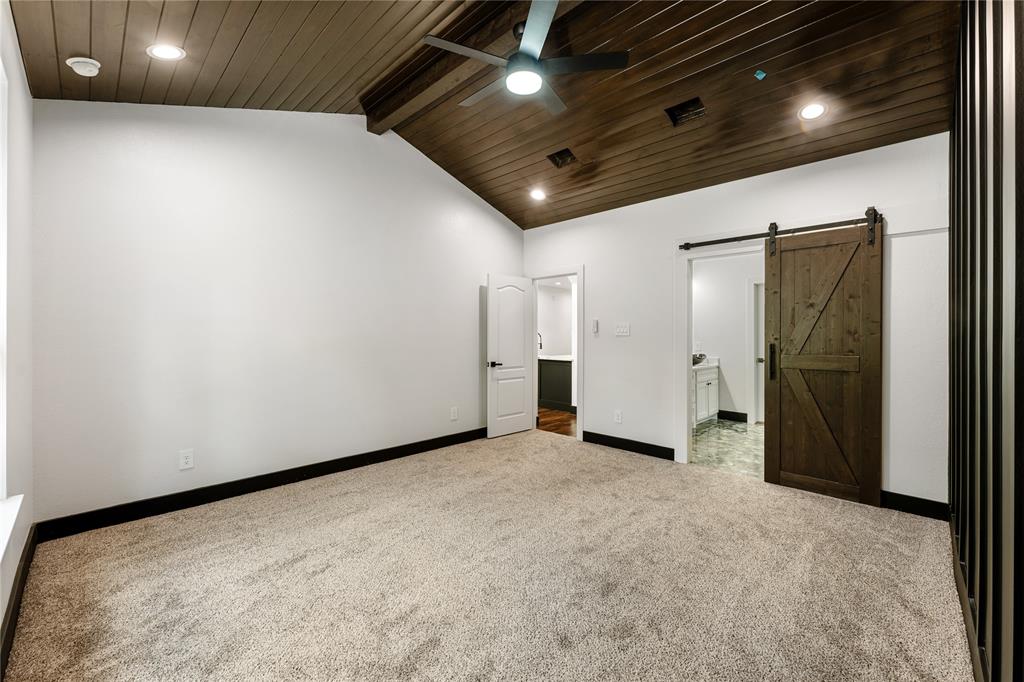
[
  {"x": 618, "y": 416},
  {"x": 186, "y": 459},
  {"x": 454, "y": 414}
]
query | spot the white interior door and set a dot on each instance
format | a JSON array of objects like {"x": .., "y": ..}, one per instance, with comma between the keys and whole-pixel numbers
[{"x": 510, "y": 355}]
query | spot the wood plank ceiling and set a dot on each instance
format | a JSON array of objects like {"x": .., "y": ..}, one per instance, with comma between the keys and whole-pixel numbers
[{"x": 884, "y": 69}]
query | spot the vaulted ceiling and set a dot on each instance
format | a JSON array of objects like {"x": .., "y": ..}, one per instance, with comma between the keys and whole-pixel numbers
[{"x": 883, "y": 69}]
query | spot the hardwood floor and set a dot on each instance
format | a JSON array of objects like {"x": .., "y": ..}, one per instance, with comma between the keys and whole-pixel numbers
[{"x": 556, "y": 421}]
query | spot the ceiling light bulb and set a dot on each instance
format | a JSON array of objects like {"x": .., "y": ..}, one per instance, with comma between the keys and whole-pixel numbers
[
  {"x": 84, "y": 66},
  {"x": 812, "y": 111},
  {"x": 523, "y": 82},
  {"x": 538, "y": 194},
  {"x": 168, "y": 53}
]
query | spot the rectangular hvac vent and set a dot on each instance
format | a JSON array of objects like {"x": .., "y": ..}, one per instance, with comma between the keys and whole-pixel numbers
[
  {"x": 562, "y": 158},
  {"x": 681, "y": 113}
]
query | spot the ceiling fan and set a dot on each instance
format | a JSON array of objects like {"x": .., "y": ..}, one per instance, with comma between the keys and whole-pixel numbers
[{"x": 525, "y": 71}]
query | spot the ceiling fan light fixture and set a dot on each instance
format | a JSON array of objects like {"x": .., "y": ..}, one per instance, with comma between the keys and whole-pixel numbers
[
  {"x": 524, "y": 75},
  {"x": 523, "y": 82}
]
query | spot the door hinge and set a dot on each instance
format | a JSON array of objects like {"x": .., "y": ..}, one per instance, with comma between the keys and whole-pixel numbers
[{"x": 772, "y": 230}]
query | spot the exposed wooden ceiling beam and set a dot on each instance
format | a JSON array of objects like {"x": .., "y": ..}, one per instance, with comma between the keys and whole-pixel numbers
[{"x": 448, "y": 71}]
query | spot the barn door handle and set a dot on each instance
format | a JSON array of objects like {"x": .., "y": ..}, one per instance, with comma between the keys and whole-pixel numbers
[{"x": 771, "y": 362}]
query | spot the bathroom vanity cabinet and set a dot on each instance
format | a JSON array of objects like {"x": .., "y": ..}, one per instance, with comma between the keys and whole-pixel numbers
[
  {"x": 704, "y": 393},
  {"x": 555, "y": 383}
]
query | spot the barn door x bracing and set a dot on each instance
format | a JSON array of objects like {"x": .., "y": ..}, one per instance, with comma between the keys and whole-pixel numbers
[{"x": 823, "y": 327}]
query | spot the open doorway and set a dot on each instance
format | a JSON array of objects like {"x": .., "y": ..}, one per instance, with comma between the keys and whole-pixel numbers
[
  {"x": 726, "y": 395},
  {"x": 557, "y": 354}
]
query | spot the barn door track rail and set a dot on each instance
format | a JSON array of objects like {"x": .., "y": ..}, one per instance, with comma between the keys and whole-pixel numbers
[{"x": 872, "y": 218}]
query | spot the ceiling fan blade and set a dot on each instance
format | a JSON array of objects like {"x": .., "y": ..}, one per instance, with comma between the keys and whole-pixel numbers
[
  {"x": 465, "y": 51},
  {"x": 586, "y": 62},
  {"x": 542, "y": 13},
  {"x": 483, "y": 93},
  {"x": 551, "y": 100}
]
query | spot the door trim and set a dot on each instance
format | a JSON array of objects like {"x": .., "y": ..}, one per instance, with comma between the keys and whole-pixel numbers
[
  {"x": 547, "y": 273},
  {"x": 752, "y": 364},
  {"x": 683, "y": 331}
]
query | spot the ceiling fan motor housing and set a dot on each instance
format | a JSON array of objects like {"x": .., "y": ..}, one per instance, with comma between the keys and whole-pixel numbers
[{"x": 524, "y": 62}]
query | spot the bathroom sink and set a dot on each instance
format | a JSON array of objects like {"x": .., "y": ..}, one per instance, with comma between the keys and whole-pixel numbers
[{"x": 699, "y": 358}]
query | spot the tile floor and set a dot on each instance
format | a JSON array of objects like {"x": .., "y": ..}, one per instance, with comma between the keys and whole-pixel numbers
[{"x": 731, "y": 446}]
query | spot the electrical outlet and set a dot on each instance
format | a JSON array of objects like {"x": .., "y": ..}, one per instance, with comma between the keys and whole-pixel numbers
[
  {"x": 186, "y": 459},
  {"x": 618, "y": 416},
  {"x": 454, "y": 414}
]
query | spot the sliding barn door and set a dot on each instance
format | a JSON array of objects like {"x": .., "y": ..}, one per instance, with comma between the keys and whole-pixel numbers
[{"x": 823, "y": 397}]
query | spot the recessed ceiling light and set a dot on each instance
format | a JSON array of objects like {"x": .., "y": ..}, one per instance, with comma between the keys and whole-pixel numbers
[
  {"x": 557, "y": 283},
  {"x": 538, "y": 194},
  {"x": 168, "y": 53},
  {"x": 84, "y": 66},
  {"x": 812, "y": 111}
]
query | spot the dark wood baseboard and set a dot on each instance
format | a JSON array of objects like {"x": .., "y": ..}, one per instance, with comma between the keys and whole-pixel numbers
[
  {"x": 966, "y": 609},
  {"x": 555, "y": 405},
  {"x": 132, "y": 511},
  {"x": 915, "y": 505},
  {"x": 10, "y": 621},
  {"x": 733, "y": 416},
  {"x": 659, "y": 451}
]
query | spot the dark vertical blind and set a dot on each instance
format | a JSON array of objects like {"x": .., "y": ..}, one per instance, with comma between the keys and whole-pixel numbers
[{"x": 986, "y": 472}]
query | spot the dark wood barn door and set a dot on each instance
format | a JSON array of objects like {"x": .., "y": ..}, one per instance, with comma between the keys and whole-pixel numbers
[{"x": 823, "y": 329}]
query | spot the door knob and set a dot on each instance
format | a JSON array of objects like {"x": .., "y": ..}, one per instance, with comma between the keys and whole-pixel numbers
[
  {"x": 493, "y": 364},
  {"x": 761, "y": 360}
]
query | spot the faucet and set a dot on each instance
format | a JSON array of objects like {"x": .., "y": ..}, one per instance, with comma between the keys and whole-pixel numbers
[{"x": 540, "y": 343}]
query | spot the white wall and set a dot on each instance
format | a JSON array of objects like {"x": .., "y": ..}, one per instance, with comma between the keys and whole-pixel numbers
[
  {"x": 269, "y": 288},
  {"x": 631, "y": 261},
  {"x": 554, "y": 319},
  {"x": 719, "y": 311},
  {"x": 19, "y": 297}
]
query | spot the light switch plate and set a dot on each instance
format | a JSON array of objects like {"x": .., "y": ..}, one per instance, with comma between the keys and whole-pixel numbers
[{"x": 622, "y": 329}]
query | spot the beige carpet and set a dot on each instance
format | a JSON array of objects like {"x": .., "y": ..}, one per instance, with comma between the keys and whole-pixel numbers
[{"x": 528, "y": 557}]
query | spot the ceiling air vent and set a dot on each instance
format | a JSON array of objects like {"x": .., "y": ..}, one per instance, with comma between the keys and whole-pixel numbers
[
  {"x": 562, "y": 158},
  {"x": 681, "y": 113}
]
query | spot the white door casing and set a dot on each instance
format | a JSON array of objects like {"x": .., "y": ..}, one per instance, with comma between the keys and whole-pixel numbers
[{"x": 510, "y": 355}]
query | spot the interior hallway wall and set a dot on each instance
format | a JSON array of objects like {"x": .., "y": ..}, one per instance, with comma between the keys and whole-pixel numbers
[
  {"x": 720, "y": 293},
  {"x": 554, "y": 319},
  {"x": 631, "y": 263},
  {"x": 19, "y": 297},
  {"x": 270, "y": 289}
]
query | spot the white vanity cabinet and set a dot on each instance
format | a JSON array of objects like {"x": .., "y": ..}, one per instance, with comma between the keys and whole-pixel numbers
[{"x": 704, "y": 393}]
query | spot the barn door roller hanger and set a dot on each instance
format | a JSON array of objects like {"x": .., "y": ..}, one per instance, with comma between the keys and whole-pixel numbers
[{"x": 872, "y": 219}]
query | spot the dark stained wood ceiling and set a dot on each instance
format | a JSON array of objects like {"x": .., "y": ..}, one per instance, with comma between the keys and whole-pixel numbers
[
  {"x": 301, "y": 56},
  {"x": 883, "y": 68}
]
